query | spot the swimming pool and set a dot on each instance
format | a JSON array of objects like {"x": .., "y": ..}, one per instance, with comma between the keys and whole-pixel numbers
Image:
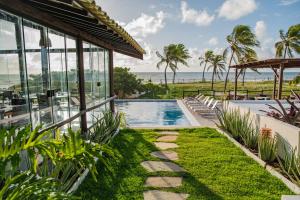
[{"x": 151, "y": 113}]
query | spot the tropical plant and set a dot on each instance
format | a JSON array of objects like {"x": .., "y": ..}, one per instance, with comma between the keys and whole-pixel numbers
[
  {"x": 241, "y": 41},
  {"x": 249, "y": 56},
  {"x": 105, "y": 127},
  {"x": 290, "y": 41},
  {"x": 167, "y": 59},
  {"x": 267, "y": 148},
  {"x": 179, "y": 55},
  {"x": 217, "y": 66},
  {"x": 208, "y": 55},
  {"x": 27, "y": 185}
]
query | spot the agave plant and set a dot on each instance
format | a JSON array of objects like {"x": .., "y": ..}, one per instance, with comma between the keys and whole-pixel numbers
[{"x": 105, "y": 128}]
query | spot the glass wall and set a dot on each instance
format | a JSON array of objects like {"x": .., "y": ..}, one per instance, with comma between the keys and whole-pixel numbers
[
  {"x": 95, "y": 81},
  {"x": 39, "y": 82},
  {"x": 13, "y": 85}
]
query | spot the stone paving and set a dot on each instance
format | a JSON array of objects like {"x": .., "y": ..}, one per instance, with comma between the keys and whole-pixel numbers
[
  {"x": 165, "y": 145},
  {"x": 164, "y": 142},
  {"x": 166, "y": 155}
]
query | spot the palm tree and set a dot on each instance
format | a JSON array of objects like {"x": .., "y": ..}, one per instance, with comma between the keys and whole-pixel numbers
[
  {"x": 290, "y": 41},
  {"x": 241, "y": 40},
  {"x": 218, "y": 67},
  {"x": 166, "y": 59},
  {"x": 179, "y": 55},
  {"x": 250, "y": 56},
  {"x": 204, "y": 60}
]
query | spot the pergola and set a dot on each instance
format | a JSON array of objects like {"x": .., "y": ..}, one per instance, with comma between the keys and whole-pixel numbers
[{"x": 277, "y": 65}]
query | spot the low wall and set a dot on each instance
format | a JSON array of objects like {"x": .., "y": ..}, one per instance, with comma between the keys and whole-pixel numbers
[{"x": 288, "y": 135}]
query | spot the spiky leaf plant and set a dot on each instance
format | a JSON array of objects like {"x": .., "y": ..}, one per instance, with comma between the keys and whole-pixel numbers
[{"x": 267, "y": 148}]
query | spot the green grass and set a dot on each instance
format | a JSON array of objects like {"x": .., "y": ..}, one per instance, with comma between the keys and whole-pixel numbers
[
  {"x": 175, "y": 90},
  {"x": 216, "y": 169}
]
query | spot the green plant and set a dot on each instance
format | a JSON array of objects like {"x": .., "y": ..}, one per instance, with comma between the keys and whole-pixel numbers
[
  {"x": 105, "y": 127},
  {"x": 290, "y": 165},
  {"x": 267, "y": 148},
  {"x": 28, "y": 186}
]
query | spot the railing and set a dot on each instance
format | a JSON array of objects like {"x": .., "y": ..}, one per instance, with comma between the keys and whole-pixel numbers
[
  {"x": 69, "y": 120},
  {"x": 246, "y": 93}
]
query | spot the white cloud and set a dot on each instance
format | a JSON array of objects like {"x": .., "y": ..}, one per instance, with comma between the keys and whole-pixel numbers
[
  {"x": 266, "y": 49},
  {"x": 197, "y": 17},
  {"x": 213, "y": 41},
  {"x": 146, "y": 25},
  {"x": 260, "y": 29},
  {"x": 287, "y": 2},
  {"x": 235, "y": 9}
]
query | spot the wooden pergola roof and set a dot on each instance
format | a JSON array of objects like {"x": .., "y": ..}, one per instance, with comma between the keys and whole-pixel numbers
[
  {"x": 82, "y": 17},
  {"x": 270, "y": 63},
  {"x": 277, "y": 65}
]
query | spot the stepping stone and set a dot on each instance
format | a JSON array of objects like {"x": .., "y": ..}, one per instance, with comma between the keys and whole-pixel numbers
[
  {"x": 168, "y": 133},
  {"x": 167, "y": 155},
  {"x": 290, "y": 197},
  {"x": 160, "y": 195},
  {"x": 165, "y": 145},
  {"x": 163, "y": 182},
  {"x": 160, "y": 166},
  {"x": 167, "y": 138}
]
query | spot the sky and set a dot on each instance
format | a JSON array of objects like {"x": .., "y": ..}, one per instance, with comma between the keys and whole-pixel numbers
[{"x": 199, "y": 25}]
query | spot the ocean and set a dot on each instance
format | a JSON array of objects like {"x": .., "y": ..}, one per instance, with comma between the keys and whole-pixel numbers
[{"x": 188, "y": 77}]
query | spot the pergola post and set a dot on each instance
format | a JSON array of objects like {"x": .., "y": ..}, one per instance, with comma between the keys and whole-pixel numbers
[
  {"x": 80, "y": 61},
  {"x": 235, "y": 83},
  {"x": 275, "y": 84},
  {"x": 111, "y": 78},
  {"x": 279, "y": 95}
]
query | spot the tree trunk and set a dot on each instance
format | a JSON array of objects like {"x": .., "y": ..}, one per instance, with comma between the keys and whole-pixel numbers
[
  {"x": 226, "y": 79},
  {"x": 166, "y": 81},
  {"x": 212, "y": 80},
  {"x": 285, "y": 50},
  {"x": 203, "y": 79},
  {"x": 174, "y": 75}
]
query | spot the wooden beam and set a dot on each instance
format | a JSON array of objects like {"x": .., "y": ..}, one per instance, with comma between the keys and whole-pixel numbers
[
  {"x": 80, "y": 63},
  {"x": 23, "y": 9},
  {"x": 111, "y": 78},
  {"x": 279, "y": 95},
  {"x": 235, "y": 84}
]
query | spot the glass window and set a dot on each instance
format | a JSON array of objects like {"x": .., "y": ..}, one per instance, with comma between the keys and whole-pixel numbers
[
  {"x": 106, "y": 66},
  {"x": 14, "y": 109},
  {"x": 73, "y": 81}
]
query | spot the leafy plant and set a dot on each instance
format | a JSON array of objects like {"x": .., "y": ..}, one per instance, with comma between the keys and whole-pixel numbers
[
  {"x": 28, "y": 186},
  {"x": 267, "y": 148},
  {"x": 105, "y": 128}
]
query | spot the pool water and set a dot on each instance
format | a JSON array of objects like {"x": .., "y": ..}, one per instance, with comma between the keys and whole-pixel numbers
[{"x": 152, "y": 113}]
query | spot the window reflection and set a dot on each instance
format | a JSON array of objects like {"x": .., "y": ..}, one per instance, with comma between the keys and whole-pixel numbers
[{"x": 13, "y": 91}]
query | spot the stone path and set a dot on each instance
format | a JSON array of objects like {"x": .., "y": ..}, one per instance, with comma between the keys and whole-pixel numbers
[
  {"x": 165, "y": 145},
  {"x": 164, "y": 142},
  {"x": 166, "y": 155}
]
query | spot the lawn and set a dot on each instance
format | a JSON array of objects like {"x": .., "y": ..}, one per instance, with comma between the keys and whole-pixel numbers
[
  {"x": 216, "y": 169},
  {"x": 175, "y": 90}
]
